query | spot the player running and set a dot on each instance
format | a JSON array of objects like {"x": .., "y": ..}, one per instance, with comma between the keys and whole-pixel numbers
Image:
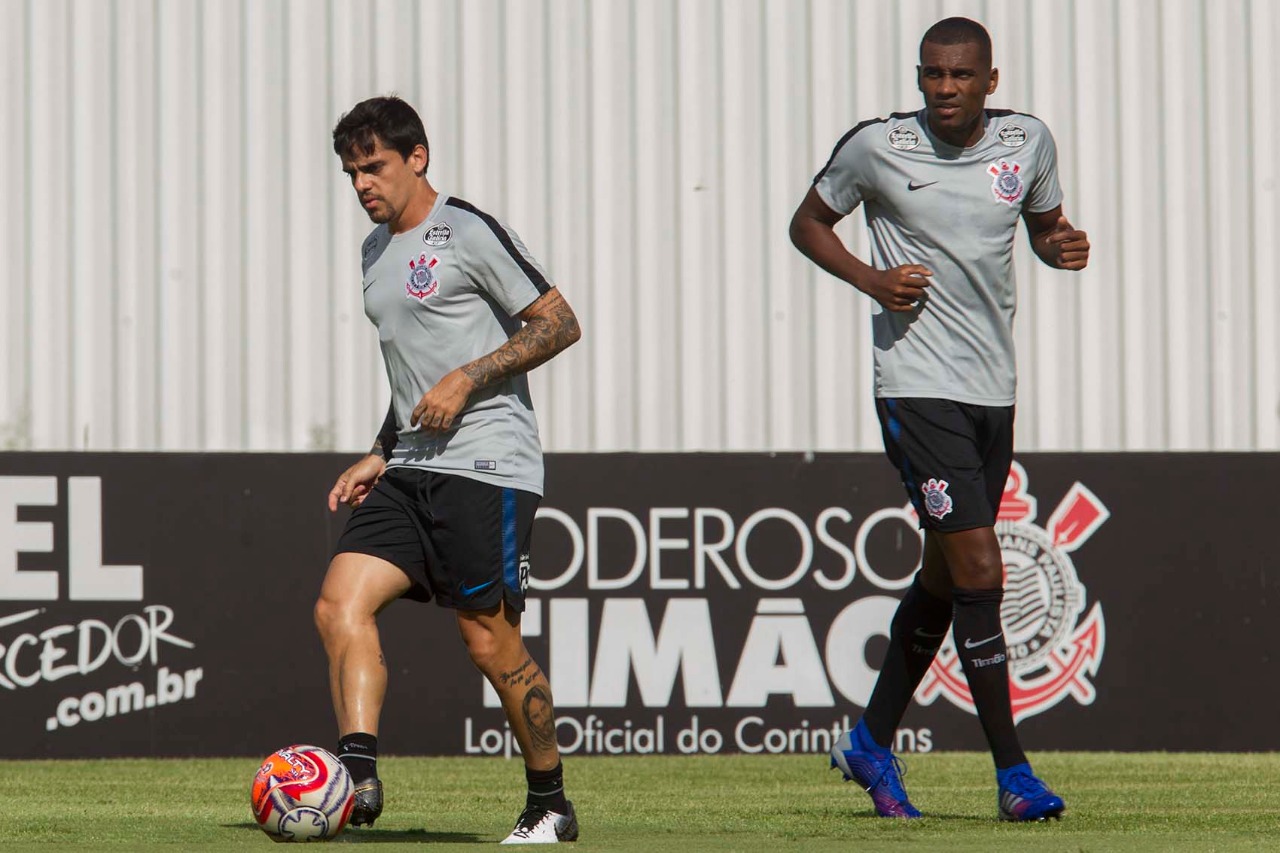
[
  {"x": 943, "y": 190},
  {"x": 445, "y": 500}
]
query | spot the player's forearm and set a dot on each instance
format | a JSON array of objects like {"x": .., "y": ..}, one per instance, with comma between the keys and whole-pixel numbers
[
  {"x": 540, "y": 339},
  {"x": 388, "y": 435},
  {"x": 1045, "y": 251},
  {"x": 819, "y": 243}
]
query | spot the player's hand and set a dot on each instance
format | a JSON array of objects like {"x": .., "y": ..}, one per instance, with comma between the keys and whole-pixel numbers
[
  {"x": 1069, "y": 245},
  {"x": 356, "y": 482},
  {"x": 439, "y": 406},
  {"x": 900, "y": 288}
]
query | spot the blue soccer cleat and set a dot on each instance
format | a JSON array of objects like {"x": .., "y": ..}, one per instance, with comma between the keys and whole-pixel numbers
[
  {"x": 1024, "y": 797},
  {"x": 876, "y": 769}
]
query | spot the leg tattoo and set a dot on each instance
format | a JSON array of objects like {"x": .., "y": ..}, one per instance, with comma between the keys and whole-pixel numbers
[
  {"x": 526, "y": 673},
  {"x": 539, "y": 716}
]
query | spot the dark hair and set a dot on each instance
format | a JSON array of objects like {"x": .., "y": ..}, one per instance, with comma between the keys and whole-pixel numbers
[
  {"x": 386, "y": 119},
  {"x": 959, "y": 31}
]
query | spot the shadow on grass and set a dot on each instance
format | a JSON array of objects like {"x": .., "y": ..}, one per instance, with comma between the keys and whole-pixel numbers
[
  {"x": 928, "y": 819},
  {"x": 387, "y": 836}
]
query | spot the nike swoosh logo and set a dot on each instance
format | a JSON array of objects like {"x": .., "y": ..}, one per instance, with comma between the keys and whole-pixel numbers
[
  {"x": 913, "y": 186},
  {"x": 969, "y": 645},
  {"x": 475, "y": 589}
]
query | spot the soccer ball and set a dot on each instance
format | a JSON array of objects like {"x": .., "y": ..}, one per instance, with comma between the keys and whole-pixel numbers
[{"x": 302, "y": 793}]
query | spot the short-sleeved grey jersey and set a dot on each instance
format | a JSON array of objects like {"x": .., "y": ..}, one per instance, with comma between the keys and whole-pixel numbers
[
  {"x": 442, "y": 295},
  {"x": 954, "y": 211}
]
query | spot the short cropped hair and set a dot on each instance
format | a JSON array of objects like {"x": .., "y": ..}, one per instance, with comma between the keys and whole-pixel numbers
[
  {"x": 388, "y": 119},
  {"x": 959, "y": 31}
]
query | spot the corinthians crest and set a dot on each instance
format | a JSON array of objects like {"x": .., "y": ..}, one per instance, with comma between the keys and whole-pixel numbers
[
  {"x": 1006, "y": 184},
  {"x": 1053, "y": 652},
  {"x": 422, "y": 278}
]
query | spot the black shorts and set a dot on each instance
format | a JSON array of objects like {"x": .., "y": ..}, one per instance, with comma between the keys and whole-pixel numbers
[
  {"x": 953, "y": 458},
  {"x": 460, "y": 540}
]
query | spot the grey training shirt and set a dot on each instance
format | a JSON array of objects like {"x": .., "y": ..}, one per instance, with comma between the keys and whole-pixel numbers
[
  {"x": 954, "y": 211},
  {"x": 442, "y": 295}
]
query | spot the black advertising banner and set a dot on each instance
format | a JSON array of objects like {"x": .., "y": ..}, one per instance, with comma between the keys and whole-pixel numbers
[{"x": 160, "y": 604}]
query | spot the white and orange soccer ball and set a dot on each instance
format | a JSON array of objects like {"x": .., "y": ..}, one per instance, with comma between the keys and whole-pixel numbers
[{"x": 302, "y": 793}]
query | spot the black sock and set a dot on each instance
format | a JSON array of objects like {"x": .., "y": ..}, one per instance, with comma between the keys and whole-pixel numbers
[
  {"x": 918, "y": 628},
  {"x": 980, "y": 643},
  {"x": 546, "y": 789},
  {"x": 358, "y": 752}
]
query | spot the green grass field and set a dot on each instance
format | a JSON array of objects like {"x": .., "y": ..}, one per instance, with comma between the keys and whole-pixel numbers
[{"x": 667, "y": 803}]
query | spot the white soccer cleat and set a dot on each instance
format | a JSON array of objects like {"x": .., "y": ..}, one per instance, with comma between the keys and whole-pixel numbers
[{"x": 539, "y": 826}]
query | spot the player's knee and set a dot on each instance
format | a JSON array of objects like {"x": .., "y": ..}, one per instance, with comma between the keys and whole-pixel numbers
[
  {"x": 332, "y": 617},
  {"x": 323, "y": 615},
  {"x": 978, "y": 572},
  {"x": 936, "y": 580},
  {"x": 485, "y": 650}
]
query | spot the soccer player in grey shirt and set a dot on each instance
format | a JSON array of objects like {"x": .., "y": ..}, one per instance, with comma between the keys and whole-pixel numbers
[
  {"x": 445, "y": 501},
  {"x": 943, "y": 190}
]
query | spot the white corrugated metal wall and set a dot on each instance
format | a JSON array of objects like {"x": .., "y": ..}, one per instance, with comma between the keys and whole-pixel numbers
[{"x": 179, "y": 249}]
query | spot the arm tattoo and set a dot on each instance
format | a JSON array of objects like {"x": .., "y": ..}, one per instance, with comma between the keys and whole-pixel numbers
[
  {"x": 387, "y": 435},
  {"x": 537, "y": 341},
  {"x": 540, "y": 717}
]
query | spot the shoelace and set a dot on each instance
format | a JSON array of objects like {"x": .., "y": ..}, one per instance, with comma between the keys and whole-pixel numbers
[
  {"x": 1023, "y": 784},
  {"x": 894, "y": 763},
  {"x": 529, "y": 820}
]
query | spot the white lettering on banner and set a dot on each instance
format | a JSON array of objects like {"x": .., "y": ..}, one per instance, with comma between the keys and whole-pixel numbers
[
  {"x": 30, "y": 658},
  {"x": 575, "y": 561},
  {"x": 773, "y": 637},
  {"x": 699, "y": 739},
  {"x": 847, "y": 638},
  {"x": 779, "y": 657},
  {"x": 719, "y": 543},
  {"x": 88, "y": 578},
  {"x": 594, "y": 516},
  {"x": 50, "y": 654},
  {"x": 704, "y": 550},
  {"x": 568, "y": 648},
  {"x": 806, "y": 549},
  {"x": 657, "y": 544},
  {"x": 684, "y": 643},
  {"x": 592, "y": 735},
  {"x": 787, "y": 657},
  {"x": 125, "y": 699},
  {"x": 26, "y": 537},
  {"x": 825, "y": 537}
]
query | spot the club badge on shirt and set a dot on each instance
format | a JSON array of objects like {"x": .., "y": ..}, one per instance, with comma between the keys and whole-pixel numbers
[
  {"x": 1007, "y": 183},
  {"x": 422, "y": 280}
]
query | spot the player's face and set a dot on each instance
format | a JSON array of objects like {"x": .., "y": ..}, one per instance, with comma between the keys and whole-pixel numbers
[
  {"x": 955, "y": 80},
  {"x": 383, "y": 180}
]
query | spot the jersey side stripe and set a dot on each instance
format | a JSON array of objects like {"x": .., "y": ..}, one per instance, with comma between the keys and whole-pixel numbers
[
  {"x": 860, "y": 126},
  {"x": 1006, "y": 113},
  {"x": 530, "y": 271}
]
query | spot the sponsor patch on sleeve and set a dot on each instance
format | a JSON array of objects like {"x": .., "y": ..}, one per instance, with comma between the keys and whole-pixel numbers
[{"x": 1012, "y": 136}]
